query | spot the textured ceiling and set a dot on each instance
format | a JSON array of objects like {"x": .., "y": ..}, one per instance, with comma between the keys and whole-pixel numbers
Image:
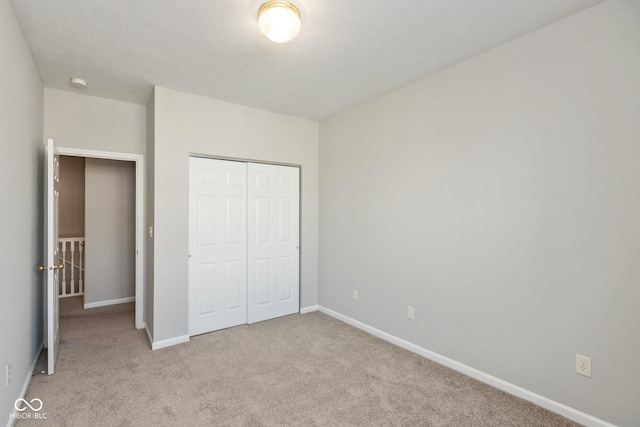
[{"x": 348, "y": 51}]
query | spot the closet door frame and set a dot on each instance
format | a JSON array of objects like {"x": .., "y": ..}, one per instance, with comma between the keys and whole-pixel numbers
[{"x": 300, "y": 209}]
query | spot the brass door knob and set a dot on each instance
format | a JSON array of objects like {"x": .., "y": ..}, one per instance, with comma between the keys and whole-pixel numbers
[{"x": 55, "y": 267}]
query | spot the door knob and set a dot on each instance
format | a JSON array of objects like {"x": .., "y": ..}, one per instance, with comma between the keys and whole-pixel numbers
[{"x": 55, "y": 267}]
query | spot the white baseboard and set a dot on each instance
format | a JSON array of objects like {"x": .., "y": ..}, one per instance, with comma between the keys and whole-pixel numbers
[
  {"x": 308, "y": 309},
  {"x": 156, "y": 345},
  {"x": 559, "y": 408},
  {"x": 110, "y": 302},
  {"x": 27, "y": 381}
]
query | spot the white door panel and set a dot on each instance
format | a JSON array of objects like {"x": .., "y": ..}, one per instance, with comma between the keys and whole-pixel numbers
[
  {"x": 217, "y": 244},
  {"x": 52, "y": 266},
  {"x": 243, "y": 243},
  {"x": 273, "y": 241}
]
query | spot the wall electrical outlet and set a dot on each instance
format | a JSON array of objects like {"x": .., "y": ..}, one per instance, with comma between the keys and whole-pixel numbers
[
  {"x": 8, "y": 374},
  {"x": 410, "y": 312},
  {"x": 583, "y": 365},
  {"x": 354, "y": 294}
]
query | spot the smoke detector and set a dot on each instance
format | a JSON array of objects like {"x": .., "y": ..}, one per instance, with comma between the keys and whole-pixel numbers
[{"x": 78, "y": 83}]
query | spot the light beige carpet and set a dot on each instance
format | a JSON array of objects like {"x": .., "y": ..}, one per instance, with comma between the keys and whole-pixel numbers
[{"x": 300, "y": 370}]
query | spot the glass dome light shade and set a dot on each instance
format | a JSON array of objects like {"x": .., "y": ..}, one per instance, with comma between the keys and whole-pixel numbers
[{"x": 279, "y": 21}]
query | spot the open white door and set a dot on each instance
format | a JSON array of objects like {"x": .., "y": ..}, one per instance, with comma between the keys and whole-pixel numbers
[{"x": 51, "y": 268}]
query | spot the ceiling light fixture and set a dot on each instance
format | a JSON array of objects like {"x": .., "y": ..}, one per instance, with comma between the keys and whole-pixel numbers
[
  {"x": 78, "y": 83},
  {"x": 279, "y": 21}
]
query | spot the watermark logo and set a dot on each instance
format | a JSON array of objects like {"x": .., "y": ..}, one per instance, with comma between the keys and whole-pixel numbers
[
  {"x": 22, "y": 406},
  {"x": 37, "y": 405}
]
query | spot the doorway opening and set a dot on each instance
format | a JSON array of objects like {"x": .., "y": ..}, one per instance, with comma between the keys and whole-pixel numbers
[
  {"x": 101, "y": 229},
  {"x": 96, "y": 211}
]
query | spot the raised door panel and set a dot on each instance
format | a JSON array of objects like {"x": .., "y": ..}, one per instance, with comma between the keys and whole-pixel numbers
[
  {"x": 285, "y": 278},
  {"x": 234, "y": 285},
  {"x": 233, "y": 220},
  {"x": 262, "y": 278},
  {"x": 205, "y": 281},
  {"x": 206, "y": 206}
]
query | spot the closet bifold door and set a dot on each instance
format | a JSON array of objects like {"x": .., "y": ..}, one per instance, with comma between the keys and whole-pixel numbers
[
  {"x": 273, "y": 211},
  {"x": 217, "y": 244}
]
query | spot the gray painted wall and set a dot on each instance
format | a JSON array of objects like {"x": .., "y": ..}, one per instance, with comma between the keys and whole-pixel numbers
[
  {"x": 500, "y": 197},
  {"x": 21, "y": 219},
  {"x": 186, "y": 123},
  {"x": 88, "y": 122},
  {"x": 71, "y": 199},
  {"x": 110, "y": 230},
  {"x": 149, "y": 212}
]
